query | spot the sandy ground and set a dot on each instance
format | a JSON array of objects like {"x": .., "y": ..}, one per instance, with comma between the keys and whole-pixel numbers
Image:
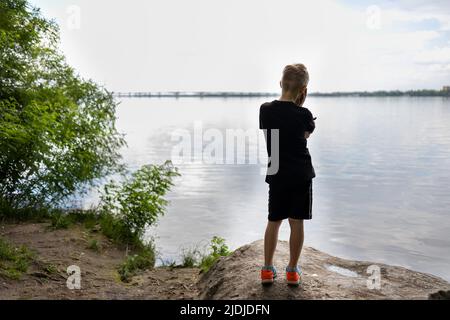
[{"x": 99, "y": 278}]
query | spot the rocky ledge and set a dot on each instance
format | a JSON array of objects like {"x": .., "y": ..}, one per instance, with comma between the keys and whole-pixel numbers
[{"x": 324, "y": 277}]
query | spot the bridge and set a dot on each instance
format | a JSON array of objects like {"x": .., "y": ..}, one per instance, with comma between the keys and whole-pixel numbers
[{"x": 179, "y": 94}]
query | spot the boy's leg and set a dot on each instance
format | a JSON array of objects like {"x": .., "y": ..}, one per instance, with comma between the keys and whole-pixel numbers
[
  {"x": 295, "y": 241},
  {"x": 270, "y": 241}
]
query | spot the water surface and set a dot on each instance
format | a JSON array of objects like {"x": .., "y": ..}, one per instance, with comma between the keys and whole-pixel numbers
[{"x": 381, "y": 192}]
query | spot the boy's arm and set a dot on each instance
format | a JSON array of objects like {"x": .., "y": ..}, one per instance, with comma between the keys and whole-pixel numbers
[
  {"x": 310, "y": 124},
  {"x": 262, "y": 118}
]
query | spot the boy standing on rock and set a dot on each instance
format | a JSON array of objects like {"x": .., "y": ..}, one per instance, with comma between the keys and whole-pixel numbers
[{"x": 290, "y": 186}]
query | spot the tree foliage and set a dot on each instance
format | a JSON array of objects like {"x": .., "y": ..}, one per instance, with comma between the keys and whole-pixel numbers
[{"x": 57, "y": 130}]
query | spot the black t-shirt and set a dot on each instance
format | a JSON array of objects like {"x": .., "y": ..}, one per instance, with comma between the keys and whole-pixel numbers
[{"x": 295, "y": 164}]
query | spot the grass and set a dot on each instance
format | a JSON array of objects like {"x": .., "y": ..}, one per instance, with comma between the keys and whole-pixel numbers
[
  {"x": 109, "y": 225},
  {"x": 94, "y": 245},
  {"x": 190, "y": 257},
  {"x": 142, "y": 260},
  {"x": 51, "y": 269},
  {"x": 13, "y": 215},
  {"x": 117, "y": 231},
  {"x": 14, "y": 261},
  {"x": 60, "y": 220},
  {"x": 195, "y": 258},
  {"x": 169, "y": 263},
  {"x": 63, "y": 220}
]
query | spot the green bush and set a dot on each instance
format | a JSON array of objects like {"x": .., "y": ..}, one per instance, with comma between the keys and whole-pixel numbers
[
  {"x": 129, "y": 207},
  {"x": 217, "y": 249},
  {"x": 136, "y": 203},
  {"x": 57, "y": 130}
]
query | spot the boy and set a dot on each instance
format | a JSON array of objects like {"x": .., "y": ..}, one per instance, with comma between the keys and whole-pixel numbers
[{"x": 290, "y": 187}]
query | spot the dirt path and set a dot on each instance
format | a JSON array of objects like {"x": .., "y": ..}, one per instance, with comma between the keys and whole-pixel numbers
[{"x": 59, "y": 249}]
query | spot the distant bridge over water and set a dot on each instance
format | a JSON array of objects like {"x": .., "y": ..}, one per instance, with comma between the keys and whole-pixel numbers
[
  {"x": 445, "y": 92},
  {"x": 177, "y": 94}
]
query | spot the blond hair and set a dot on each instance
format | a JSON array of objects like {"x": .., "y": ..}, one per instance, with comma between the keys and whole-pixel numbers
[{"x": 295, "y": 77}]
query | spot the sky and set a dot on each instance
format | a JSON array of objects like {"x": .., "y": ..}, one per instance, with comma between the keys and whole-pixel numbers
[{"x": 236, "y": 45}]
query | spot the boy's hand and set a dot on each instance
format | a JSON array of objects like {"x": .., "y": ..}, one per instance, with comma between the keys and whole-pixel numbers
[{"x": 307, "y": 134}]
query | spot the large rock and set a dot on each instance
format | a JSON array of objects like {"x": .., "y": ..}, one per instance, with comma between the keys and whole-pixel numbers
[{"x": 324, "y": 277}]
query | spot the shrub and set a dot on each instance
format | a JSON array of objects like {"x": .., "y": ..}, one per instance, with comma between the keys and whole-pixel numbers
[
  {"x": 136, "y": 203},
  {"x": 129, "y": 207},
  {"x": 217, "y": 249}
]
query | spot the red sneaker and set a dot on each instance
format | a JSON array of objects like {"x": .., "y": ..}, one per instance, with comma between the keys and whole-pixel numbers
[
  {"x": 268, "y": 275},
  {"x": 294, "y": 276}
]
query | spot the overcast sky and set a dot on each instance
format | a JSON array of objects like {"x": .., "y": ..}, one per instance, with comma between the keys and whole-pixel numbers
[{"x": 243, "y": 45}]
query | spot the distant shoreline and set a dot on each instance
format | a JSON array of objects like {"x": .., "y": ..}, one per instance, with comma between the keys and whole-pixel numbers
[{"x": 411, "y": 93}]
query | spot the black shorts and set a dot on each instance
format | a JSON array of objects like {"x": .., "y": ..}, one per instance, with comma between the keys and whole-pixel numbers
[{"x": 293, "y": 202}]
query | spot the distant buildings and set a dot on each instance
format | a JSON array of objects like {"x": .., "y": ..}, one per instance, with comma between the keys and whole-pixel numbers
[{"x": 446, "y": 88}]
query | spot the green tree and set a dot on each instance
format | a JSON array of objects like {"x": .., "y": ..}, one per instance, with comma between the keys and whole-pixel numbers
[{"x": 57, "y": 130}]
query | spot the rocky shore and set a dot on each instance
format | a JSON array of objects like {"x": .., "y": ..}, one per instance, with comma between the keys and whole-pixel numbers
[
  {"x": 232, "y": 277},
  {"x": 324, "y": 277}
]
